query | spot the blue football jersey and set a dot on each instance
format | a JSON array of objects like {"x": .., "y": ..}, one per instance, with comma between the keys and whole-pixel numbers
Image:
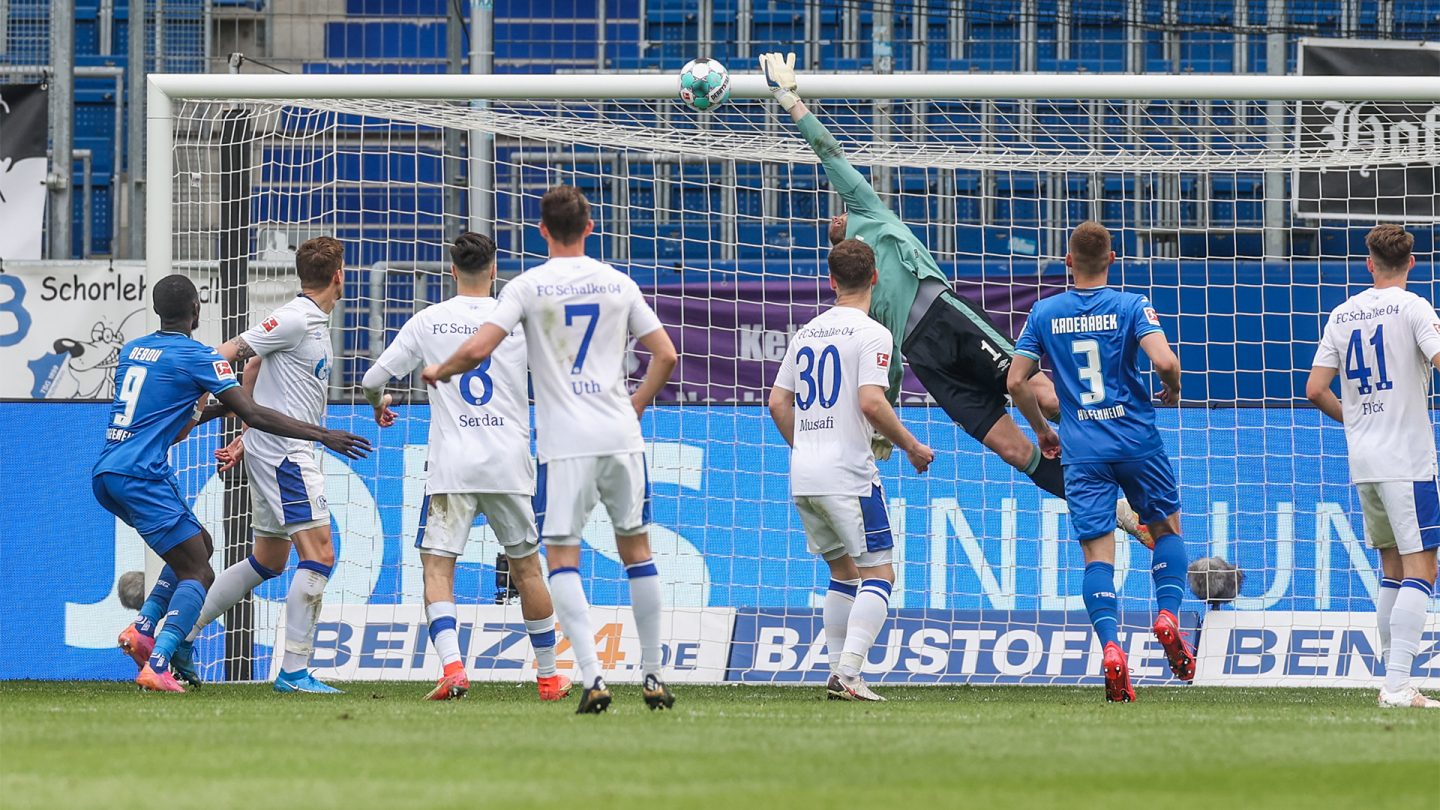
[
  {"x": 1093, "y": 340},
  {"x": 158, "y": 380}
]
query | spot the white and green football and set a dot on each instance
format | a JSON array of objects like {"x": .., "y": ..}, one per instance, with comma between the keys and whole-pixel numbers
[{"x": 704, "y": 84}]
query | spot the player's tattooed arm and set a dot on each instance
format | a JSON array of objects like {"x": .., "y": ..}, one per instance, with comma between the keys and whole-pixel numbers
[{"x": 237, "y": 350}]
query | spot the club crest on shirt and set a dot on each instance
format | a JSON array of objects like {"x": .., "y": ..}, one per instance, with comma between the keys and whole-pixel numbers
[
  {"x": 882, "y": 360},
  {"x": 270, "y": 324},
  {"x": 1151, "y": 316},
  {"x": 223, "y": 370}
]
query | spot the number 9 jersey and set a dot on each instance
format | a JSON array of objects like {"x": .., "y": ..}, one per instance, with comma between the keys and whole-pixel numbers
[
  {"x": 157, "y": 382},
  {"x": 827, "y": 362}
]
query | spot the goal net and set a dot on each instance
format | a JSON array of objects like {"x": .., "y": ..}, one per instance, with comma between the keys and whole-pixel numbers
[{"x": 1242, "y": 220}]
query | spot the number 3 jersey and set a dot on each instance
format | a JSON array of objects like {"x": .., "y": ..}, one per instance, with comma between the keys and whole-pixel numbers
[
  {"x": 157, "y": 382},
  {"x": 825, "y": 365},
  {"x": 1382, "y": 341},
  {"x": 479, "y": 421},
  {"x": 1092, "y": 337},
  {"x": 579, "y": 315}
]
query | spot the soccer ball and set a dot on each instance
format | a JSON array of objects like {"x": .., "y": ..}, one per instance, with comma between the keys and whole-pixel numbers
[
  {"x": 1215, "y": 581},
  {"x": 704, "y": 84}
]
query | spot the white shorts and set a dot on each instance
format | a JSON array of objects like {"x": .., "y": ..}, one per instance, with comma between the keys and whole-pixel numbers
[
  {"x": 446, "y": 519},
  {"x": 286, "y": 497},
  {"x": 840, "y": 525},
  {"x": 566, "y": 490},
  {"x": 1403, "y": 515}
]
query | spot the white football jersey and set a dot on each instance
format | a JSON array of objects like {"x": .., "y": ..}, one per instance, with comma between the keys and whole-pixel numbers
[
  {"x": 579, "y": 315},
  {"x": 825, "y": 365},
  {"x": 1382, "y": 341},
  {"x": 294, "y": 345},
  {"x": 479, "y": 421}
]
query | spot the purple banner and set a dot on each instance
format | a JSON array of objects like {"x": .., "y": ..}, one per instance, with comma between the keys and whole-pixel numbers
[{"x": 733, "y": 335}]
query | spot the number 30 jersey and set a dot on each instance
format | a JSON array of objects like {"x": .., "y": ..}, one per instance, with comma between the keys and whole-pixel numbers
[
  {"x": 578, "y": 315},
  {"x": 480, "y": 420},
  {"x": 1381, "y": 341},
  {"x": 825, "y": 365},
  {"x": 157, "y": 382},
  {"x": 1093, "y": 339}
]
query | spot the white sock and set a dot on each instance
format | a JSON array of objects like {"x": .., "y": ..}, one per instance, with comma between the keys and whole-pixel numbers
[
  {"x": 302, "y": 611},
  {"x": 228, "y": 589},
  {"x": 443, "y": 637},
  {"x": 1384, "y": 603},
  {"x": 872, "y": 604},
  {"x": 645, "y": 603},
  {"x": 542, "y": 641},
  {"x": 572, "y": 610},
  {"x": 839, "y": 599},
  {"x": 1407, "y": 623}
]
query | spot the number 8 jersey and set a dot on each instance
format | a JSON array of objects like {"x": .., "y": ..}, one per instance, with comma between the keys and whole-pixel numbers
[
  {"x": 825, "y": 365},
  {"x": 1381, "y": 341}
]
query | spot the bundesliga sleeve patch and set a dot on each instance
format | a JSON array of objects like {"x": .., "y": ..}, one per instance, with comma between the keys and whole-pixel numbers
[
  {"x": 270, "y": 324},
  {"x": 1151, "y": 316},
  {"x": 882, "y": 360},
  {"x": 223, "y": 370}
]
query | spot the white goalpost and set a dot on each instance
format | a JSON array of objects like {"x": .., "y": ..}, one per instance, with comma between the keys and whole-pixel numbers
[{"x": 1219, "y": 190}]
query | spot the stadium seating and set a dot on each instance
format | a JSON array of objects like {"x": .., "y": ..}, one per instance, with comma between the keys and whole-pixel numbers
[{"x": 393, "y": 36}]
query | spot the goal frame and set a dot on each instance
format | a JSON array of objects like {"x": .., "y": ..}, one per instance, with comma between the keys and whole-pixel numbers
[{"x": 164, "y": 89}]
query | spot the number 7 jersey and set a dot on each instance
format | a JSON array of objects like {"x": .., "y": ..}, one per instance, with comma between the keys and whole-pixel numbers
[
  {"x": 1381, "y": 341},
  {"x": 827, "y": 362},
  {"x": 578, "y": 315}
]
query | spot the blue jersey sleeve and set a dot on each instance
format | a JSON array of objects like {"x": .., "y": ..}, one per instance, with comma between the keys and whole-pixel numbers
[
  {"x": 1030, "y": 342},
  {"x": 1144, "y": 319},
  {"x": 210, "y": 371}
]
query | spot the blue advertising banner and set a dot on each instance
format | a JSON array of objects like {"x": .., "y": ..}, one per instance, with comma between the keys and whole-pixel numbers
[
  {"x": 1265, "y": 488},
  {"x": 944, "y": 646}
]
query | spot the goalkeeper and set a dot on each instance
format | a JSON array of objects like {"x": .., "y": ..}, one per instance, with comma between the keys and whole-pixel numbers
[{"x": 955, "y": 350}]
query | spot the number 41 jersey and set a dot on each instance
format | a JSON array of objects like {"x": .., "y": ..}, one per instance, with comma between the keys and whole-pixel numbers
[
  {"x": 827, "y": 362},
  {"x": 1382, "y": 341}
]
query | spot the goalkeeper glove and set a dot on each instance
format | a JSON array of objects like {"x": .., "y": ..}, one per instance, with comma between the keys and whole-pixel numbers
[
  {"x": 881, "y": 446},
  {"x": 780, "y": 75}
]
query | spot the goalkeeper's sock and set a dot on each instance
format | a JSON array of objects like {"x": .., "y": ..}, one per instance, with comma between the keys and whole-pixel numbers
[
  {"x": 572, "y": 610},
  {"x": 1047, "y": 473},
  {"x": 1100, "y": 601},
  {"x": 1167, "y": 569},
  {"x": 185, "y": 605},
  {"x": 839, "y": 600},
  {"x": 542, "y": 641},
  {"x": 645, "y": 603},
  {"x": 443, "y": 635},
  {"x": 229, "y": 588},
  {"x": 1384, "y": 603},
  {"x": 872, "y": 603},
  {"x": 157, "y": 603},
  {"x": 302, "y": 611},
  {"x": 1407, "y": 623}
]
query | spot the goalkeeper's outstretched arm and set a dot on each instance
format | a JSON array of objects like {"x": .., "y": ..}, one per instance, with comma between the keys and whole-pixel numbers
[{"x": 850, "y": 184}]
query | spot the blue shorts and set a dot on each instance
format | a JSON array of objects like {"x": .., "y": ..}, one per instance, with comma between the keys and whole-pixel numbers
[
  {"x": 1092, "y": 488},
  {"x": 153, "y": 507}
]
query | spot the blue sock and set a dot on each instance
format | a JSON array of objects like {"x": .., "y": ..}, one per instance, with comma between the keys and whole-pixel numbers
[
  {"x": 1167, "y": 568},
  {"x": 185, "y": 607},
  {"x": 1100, "y": 601},
  {"x": 157, "y": 603}
]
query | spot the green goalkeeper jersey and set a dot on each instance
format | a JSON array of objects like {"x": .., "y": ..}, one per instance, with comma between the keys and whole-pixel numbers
[{"x": 901, "y": 258}]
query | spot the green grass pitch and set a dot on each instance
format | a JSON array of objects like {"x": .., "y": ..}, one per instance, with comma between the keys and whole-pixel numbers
[{"x": 81, "y": 745}]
